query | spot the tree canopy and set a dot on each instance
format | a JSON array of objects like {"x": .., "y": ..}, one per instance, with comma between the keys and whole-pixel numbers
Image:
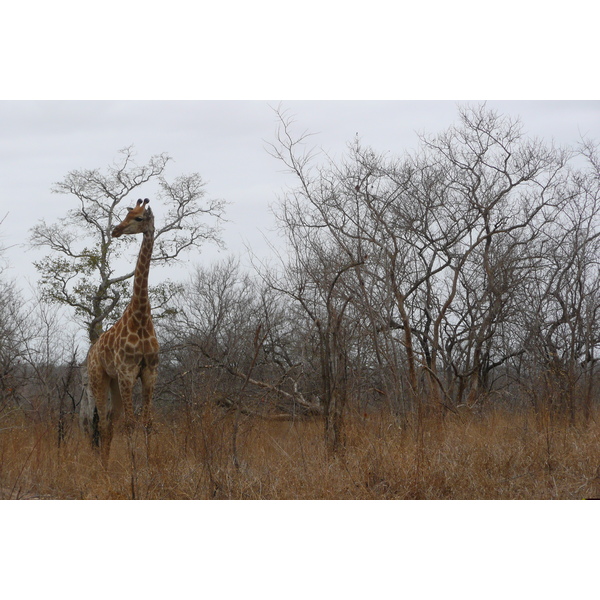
[{"x": 79, "y": 270}]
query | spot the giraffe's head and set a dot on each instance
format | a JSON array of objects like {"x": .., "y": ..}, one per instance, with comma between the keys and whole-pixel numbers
[{"x": 138, "y": 220}]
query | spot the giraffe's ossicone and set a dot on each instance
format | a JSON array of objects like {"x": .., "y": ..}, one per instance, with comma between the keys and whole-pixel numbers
[{"x": 128, "y": 350}]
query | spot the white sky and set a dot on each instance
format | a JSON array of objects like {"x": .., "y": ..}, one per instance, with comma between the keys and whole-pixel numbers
[
  {"x": 224, "y": 141},
  {"x": 267, "y": 51}
]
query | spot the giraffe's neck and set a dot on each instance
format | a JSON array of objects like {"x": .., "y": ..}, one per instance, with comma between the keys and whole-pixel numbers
[{"x": 140, "y": 303}]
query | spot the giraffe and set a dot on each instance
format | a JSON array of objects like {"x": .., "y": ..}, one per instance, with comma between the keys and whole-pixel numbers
[{"x": 129, "y": 349}]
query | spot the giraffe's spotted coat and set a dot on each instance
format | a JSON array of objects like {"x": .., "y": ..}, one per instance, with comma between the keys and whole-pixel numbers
[{"x": 129, "y": 349}]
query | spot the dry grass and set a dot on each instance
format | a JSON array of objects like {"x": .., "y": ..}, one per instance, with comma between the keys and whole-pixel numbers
[{"x": 500, "y": 455}]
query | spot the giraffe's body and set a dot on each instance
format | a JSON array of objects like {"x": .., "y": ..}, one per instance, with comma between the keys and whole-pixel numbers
[{"x": 129, "y": 349}]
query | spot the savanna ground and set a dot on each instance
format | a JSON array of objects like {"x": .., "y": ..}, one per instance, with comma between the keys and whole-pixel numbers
[{"x": 211, "y": 454}]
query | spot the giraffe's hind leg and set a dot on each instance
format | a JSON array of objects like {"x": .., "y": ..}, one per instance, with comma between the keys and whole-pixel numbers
[
  {"x": 148, "y": 377},
  {"x": 116, "y": 402},
  {"x": 126, "y": 382}
]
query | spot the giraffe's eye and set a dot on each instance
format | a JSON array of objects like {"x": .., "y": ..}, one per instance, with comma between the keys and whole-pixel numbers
[{"x": 139, "y": 219}]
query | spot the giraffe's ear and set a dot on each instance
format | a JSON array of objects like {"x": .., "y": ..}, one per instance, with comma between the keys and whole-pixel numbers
[{"x": 137, "y": 204}]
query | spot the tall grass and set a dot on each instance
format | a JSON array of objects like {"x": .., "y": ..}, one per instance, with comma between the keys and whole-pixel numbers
[{"x": 206, "y": 454}]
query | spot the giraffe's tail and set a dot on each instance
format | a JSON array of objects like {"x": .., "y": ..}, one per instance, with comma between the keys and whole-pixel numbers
[{"x": 88, "y": 413}]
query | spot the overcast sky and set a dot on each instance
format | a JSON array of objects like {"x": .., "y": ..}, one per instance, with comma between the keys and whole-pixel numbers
[{"x": 225, "y": 142}]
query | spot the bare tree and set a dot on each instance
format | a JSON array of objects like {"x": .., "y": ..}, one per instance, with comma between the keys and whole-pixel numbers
[
  {"x": 440, "y": 237},
  {"x": 561, "y": 304},
  {"x": 48, "y": 363},
  {"x": 12, "y": 318},
  {"x": 506, "y": 189},
  {"x": 239, "y": 344},
  {"x": 80, "y": 270}
]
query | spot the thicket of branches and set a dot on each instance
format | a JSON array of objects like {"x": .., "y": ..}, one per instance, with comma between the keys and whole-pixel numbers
[{"x": 459, "y": 276}]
